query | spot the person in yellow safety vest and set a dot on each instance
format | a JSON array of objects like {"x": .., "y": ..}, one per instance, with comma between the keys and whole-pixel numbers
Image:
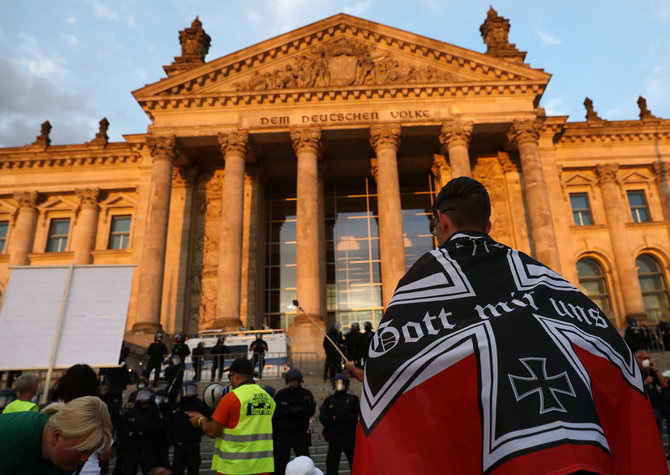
[
  {"x": 26, "y": 388},
  {"x": 242, "y": 425}
]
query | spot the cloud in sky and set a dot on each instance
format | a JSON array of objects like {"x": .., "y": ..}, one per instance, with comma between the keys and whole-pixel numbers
[
  {"x": 39, "y": 64},
  {"x": 70, "y": 39},
  {"x": 548, "y": 38}
]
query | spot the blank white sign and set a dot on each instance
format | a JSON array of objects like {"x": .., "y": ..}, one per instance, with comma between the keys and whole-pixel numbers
[{"x": 94, "y": 317}]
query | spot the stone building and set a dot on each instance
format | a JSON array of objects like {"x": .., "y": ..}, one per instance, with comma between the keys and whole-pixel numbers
[{"x": 304, "y": 167}]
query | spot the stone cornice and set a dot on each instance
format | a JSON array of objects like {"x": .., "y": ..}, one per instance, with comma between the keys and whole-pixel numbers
[
  {"x": 67, "y": 156},
  {"x": 408, "y": 91},
  {"x": 649, "y": 130}
]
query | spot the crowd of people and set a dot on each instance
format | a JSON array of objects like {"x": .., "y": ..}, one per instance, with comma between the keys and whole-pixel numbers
[{"x": 558, "y": 392}]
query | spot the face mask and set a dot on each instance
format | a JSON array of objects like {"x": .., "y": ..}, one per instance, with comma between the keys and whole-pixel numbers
[
  {"x": 339, "y": 385},
  {"x": 141, "y": 386},
  {"x": 646, "y": 363}
]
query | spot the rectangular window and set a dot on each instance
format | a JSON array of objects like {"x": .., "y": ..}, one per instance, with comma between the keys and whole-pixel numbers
[
  {"x": 4, "y": 226},
  {"x": 581, "y": 211},
  {"x": 58, "y": 231},
  {"x": 638, "y": 206},
  {"x": 119, "y": 232}
]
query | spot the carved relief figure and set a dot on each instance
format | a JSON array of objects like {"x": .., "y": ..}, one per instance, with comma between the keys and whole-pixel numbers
[{"x": 342, "y": 62}]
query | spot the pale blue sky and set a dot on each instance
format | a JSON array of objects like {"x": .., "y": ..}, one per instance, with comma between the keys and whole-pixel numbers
[{"x": 75, "y": 61}]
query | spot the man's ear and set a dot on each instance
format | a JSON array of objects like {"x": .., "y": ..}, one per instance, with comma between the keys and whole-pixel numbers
[
  {"x": 56, "y": 435},
  {"x": 446, "y": 225},
  {"x": 487, "y": 230}
]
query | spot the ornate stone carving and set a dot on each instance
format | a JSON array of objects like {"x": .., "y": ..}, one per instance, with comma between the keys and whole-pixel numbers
[
  {"x": 385, "y": 136},
  {"x": 234, "y": 142},
  {"x": 342, "y": 62},
  {"x": 306, "y": 139},
  {"x": 43, "y": 138},
  {"x": 182, "y": 177},
  {"x": 373, "y": 167},
  {"x": 590, "y": 113},
  {"x": 101, "y": 137},
  {"x": 607, "y": 173},
  {"x": 508, "y": 165},
  {"x": 661, "y": 170},
  {"x": 456, "y": 133},
  {"x": 88, "y": 197},
  {"x": 440, "y": 166},
  {"x": 495, "y": 32},
  {"x": 524, "y": 131},
  {"x": 26, "y": 199},
  {"x": 194, "y": 43},
  {"x": 163, "y": 147},
  {"x": 645, "y": 113}
]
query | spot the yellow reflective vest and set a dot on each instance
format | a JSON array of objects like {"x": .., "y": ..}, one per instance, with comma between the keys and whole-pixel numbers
[
  {"x": 247, "y": 449},
  {"x": 20, "y": 406}
]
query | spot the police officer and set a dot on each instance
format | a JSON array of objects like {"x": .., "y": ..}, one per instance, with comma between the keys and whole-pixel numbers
[
  {"x": 339, "y": 416},
  {"x": 290, "y": 424},
  {"x": 174, "y": 375},
  {"x": 142, "y": 431},
  {"x": 164, "y": 410},
  {"x": 259, "y": 347},
  {"x": 157, "y": 351},
  {"x": 180, "y": 349},
  {"x": 198, "y": 354},
  {"x": 331, "y": 365},
  {"x": 354, "y": 341},
  {"x": 184, "y": 437},
  {"x": 218, "y": 358}
]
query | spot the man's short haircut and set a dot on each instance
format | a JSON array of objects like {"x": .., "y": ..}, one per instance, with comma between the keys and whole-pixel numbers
[
  {"x": 83, "y": 416},
  {"x": 467, "y": 203},
  {"x": 25, "y": 383}
]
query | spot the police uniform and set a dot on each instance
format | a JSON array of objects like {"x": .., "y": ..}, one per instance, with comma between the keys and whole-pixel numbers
[
  {"x": 339, "y": 416},
  {"x": 295, "y": 406}
]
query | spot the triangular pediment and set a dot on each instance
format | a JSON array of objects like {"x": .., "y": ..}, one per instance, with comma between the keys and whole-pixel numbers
[
  {"x": 636, "y": 177},
  {"x": 341, "y": 54},
  {"x": 57, "y": 203},
  {"x": 577, "y": 179}
]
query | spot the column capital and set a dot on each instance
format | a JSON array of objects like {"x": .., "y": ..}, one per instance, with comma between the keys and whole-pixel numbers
[
  {"x": 88, "y": 197},
  {"x": 440, "y": 166},
  {"x": 456, "y": 132},
  {"x": 306, "y": 139},
  {"x": 183, "y": 177},
  {"x": 234, "y": 142},
  {"x": 385, "y": 136},
  {"x": 607, "y": 173},
  {"x": 373, "y": 167},
  {"x": 26, "y": 199},
  {"x": 523, "y": 131},
  {"x": 162, "y": 147}
]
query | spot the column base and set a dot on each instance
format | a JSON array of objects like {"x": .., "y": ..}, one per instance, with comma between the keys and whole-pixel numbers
[
  {"x": 306, "y": 337},
  {"x": 146, "y": 327},
  {"x": 225, "y": 323}
]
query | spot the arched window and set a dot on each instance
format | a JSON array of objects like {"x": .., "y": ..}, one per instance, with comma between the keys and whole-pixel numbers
[
  {"x": 592, "y": 282},
  {"x": 654, "y": 290}
]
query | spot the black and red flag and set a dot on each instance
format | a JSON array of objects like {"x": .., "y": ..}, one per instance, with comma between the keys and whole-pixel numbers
[{"x": 487, "y": 361}]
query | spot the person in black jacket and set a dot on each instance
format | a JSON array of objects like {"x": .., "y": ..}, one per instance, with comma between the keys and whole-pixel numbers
[
  {"x": 333, "y": 363},
  {"x": 339, "y": 416},
  {"x": 258, "y": 349},
  {"x": 290, "y": 423},
  {"x": 174, "y": 375},
  {"x": 184, "y": 437},
  {"x": 141, "y": 435},
  {"x": 198, "y": 354},
  {"x": 180, "y": 349},
  {"x": 157, "y": 351},
  {"x": 218, "y": 357}
]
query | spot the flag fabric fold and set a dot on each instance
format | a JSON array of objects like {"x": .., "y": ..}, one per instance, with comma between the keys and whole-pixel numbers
[{"x": 487, "y": 361}]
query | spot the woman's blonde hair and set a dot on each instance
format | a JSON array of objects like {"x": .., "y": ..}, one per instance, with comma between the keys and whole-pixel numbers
[{"x": 83, "y": 416}]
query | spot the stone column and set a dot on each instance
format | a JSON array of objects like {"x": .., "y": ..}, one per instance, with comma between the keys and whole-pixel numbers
[
  {"x": 234, "y": 151},
  {"x": 455, "y": 139},
  {"x": 526, "y": 135},
  {"x": 303, "y": 333},
  {"x": 441, "y": 171},
  {"x": 23, "y": 234},
  {"x": 629, "y": 283},
  {"x": 87, "y": 225},
  {"x": 385, "y": 140},
  {"x": 152, "y": 264}
]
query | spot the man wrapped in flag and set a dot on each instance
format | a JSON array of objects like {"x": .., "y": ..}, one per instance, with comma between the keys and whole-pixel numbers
[{"x": 487, "y": 361}]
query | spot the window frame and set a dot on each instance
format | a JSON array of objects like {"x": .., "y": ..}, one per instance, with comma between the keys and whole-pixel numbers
[
  {"x": 580, "y": 211},
  {"x": 110, "y": 234},
  {"x": 49, "y": 236},
  {"x": 635, "y": 211}
]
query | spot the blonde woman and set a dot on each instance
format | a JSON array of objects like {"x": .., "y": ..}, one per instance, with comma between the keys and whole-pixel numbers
[{"x": 55, "y": 441}]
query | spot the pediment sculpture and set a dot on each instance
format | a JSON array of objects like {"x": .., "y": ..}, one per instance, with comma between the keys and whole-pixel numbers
[{"x": 342, "y": 62}]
